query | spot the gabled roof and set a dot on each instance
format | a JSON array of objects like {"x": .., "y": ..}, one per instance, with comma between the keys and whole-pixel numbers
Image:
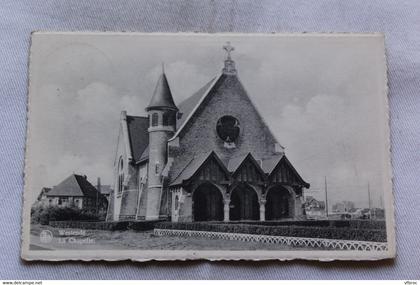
[
  {"x": 162, "y": 96},
  {"x": 232, "y": 166},
  {"x": 250, "y": 158},
  {"x": 194, "y": 165},
  {"x": 288, "y": 164},
  {"x": 199, "y": 99},
  {"x": 75, "y": 186},
  {"x": 138, "y": 135},
  {"x": 190, "y": 105}
]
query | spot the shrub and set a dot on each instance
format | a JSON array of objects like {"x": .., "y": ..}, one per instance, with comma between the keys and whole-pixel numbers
[
  {"x": 141, "y": 225},
  {"x": 44, "y": 214},
  {"x": 39, "y": 215}
]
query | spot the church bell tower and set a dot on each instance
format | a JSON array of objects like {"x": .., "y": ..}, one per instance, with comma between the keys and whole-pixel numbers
[{"x": 162, "y": 126}]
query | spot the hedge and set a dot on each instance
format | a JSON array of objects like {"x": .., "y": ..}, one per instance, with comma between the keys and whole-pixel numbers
[
  {"x": 109, "y": 226},
  {"x": 353, "y": 224},
  {"x": 290, "y": 231}
]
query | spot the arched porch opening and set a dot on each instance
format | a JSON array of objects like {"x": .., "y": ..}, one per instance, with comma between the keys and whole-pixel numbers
[
  {"x": 280, "y": 203},
  {"x": 244, "y": 204},
  {"x": 207, "y": 203}
]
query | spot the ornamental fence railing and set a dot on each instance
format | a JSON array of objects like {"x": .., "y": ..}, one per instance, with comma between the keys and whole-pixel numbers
[{"x": 319, "y": 243}]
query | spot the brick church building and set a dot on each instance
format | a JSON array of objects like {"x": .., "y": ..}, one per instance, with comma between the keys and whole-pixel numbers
[{"x": 209, "y": 158}]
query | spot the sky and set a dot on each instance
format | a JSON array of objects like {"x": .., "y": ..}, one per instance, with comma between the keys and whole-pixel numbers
[{"x": 323, "y": 97}]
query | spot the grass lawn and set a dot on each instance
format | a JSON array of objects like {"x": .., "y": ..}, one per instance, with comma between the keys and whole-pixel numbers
[{"x": 108, "y": 240}]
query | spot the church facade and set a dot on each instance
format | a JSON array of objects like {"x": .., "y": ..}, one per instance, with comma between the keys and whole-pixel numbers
[{"x": 209, "y": 158}]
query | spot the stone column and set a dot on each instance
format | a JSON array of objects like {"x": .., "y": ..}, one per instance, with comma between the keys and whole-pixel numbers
[
  {"x": 226, "y": 209},
  {"x": 262, "y": 209},
  {"x": 298, "y": 206}
]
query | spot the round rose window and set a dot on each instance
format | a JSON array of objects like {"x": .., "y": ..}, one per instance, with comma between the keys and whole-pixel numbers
[{"x": 228, "y": 129}]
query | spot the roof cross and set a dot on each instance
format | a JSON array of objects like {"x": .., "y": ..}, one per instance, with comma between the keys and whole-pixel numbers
[{"x": 228, "y": 48}]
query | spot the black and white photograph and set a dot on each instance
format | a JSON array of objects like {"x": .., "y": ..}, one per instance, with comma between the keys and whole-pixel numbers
[{"x": 207, "y": 146}]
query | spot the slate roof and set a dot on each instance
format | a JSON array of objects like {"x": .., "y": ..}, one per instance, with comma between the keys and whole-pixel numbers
[
  {"x": 234, "y": 162},
  {"x": 145, "y": 155},
  {"x": 196, "y": 102},
  {"x": 268, "y": 164},
  {"x": 188, "y": 105},
  {"x": 74, "y": 186},
  {"x": 138, "y": 136},
  {"x": 162, "y": 96},
  {"x": 190, "y": 168}
]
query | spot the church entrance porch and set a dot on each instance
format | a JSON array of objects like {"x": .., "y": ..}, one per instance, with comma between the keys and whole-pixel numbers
[
  {"x": 280, "y": 204},
  {"x": 207, "y": 203},
  {"x": 244, "y": 204}
]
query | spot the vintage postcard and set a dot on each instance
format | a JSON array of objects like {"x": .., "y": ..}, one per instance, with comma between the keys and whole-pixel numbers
[{"x": 207, "y": 146}]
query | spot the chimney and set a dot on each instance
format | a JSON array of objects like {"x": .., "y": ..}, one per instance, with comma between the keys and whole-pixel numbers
[{"x": 98, "y": 186}]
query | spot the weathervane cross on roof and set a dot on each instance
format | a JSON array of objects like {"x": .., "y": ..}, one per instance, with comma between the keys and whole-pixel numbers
[{"x": 228, "y": 48}]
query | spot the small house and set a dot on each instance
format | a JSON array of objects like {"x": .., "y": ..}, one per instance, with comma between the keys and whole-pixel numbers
[{"x": 76, "y": 191}]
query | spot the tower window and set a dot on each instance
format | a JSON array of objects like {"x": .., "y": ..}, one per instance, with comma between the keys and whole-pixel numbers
[
  {"x": 172, "y": 119},
  {"x": 155, "y": 119},
  {"x": 165, "y": 119},
  {"x": 168, "y": 119}
]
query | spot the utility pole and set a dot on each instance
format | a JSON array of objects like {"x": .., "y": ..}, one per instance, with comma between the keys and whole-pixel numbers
[
  {"x": 369, "y": 202},
  {"x": 326, "y": 197},
  {"x": 98, "y": 186},
  {"x": 381, "y": 201}
]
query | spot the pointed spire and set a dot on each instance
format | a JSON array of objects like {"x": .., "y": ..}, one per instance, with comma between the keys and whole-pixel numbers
[
  {"x": 229, "y": 67},
  {"x": 162, "y": 96}
]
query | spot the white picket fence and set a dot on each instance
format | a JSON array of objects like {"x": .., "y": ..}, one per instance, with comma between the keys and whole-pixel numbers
[{"x": 290, "y": 241}]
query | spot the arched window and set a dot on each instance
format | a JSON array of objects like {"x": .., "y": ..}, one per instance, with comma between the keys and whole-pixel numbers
[
  {"x": 120, "y": 175},
  {"x": 155, "y": 119}
]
